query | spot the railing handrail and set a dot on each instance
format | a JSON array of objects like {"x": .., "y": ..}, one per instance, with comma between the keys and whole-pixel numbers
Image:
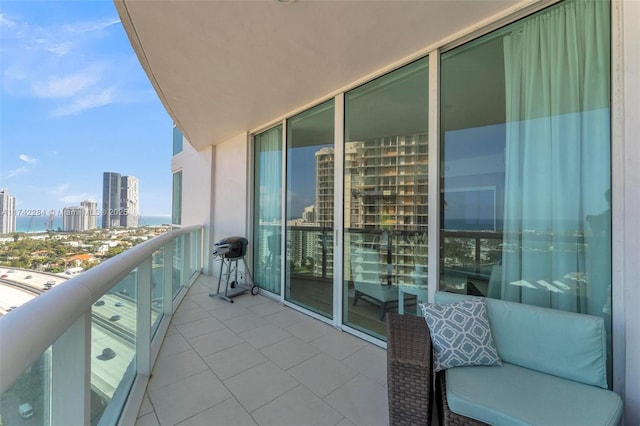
[{"x": 26, "y": 332}]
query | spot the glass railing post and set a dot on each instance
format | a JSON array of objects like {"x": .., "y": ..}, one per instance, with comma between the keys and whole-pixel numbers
[
  {"x": 186, "y": 261},
  {"x": 71, "y": 375},
  {"x": 143, "y": 319},
  {"x": 167, "y": 294}
]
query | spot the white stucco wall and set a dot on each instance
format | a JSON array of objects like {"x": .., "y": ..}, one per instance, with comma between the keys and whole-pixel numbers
[
  {"x": 230, "y": 192},
  {"x": 230, "y": 188},
  {"x": 197, "y": 189}
]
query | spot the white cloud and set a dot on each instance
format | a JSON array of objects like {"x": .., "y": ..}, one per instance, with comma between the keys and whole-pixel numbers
[
  {"x": 6, "y": 22},
  {"x": 27, "y": 159},
  {"x": 66, "y": 86},
  {"x": 60, "y": 49},
  {"x": 87, "y": 101},
  {"x": 18, "y": 171},
  {"x": 67, "y": 65},
  {"x": 90, "y": 26}
]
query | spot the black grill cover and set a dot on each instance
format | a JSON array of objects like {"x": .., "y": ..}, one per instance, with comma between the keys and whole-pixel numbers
[{"x": 231, "y": 247}]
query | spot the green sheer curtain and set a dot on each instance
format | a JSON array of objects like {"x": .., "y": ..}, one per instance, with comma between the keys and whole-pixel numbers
[
  {"x": 267, "y": 209},
  {"x": 557, "y": 236}
]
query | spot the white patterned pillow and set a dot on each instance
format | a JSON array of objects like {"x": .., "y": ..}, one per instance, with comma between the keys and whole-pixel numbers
[{"x": 460, "y": 334}]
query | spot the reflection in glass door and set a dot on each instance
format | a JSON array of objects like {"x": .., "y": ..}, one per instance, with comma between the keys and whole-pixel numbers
[
  {"x": 385, "y": 197},
  {"x": 310, "y": 192},
  {"x": 267, "y": 220}
]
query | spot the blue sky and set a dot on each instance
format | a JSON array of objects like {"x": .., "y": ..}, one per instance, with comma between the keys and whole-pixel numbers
[{"x": 75, "y": 103}]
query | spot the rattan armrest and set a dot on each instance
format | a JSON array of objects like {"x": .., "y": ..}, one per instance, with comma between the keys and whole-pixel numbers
[{"x": 409, "y": 382}]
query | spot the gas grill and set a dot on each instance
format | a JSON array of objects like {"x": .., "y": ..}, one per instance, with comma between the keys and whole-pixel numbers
[{"x": 230, "y": 250}]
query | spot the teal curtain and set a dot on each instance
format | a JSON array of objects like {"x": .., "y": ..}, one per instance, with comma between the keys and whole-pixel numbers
[
  {"x": 267, "y": 209},
  {"x": 557, "y": 234}
]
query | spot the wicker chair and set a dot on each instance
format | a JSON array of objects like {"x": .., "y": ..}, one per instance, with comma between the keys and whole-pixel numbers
[
  {"x": 446, "y": 416},
  {"x": 409, "y": 379},
  {"x": 409, "y": 375}
]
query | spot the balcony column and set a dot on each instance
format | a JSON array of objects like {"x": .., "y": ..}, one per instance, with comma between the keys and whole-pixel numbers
[
  {"x": 167, "y": 294},
  {"x": 71, "y": 374},
  {"x": 433, "y": 249},
  {"x": 143, "y": 319},
  {"x": 186, "y": 260}
]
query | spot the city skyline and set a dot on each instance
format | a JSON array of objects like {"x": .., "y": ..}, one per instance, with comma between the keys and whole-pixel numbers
[{"x": 76, "y": 100}]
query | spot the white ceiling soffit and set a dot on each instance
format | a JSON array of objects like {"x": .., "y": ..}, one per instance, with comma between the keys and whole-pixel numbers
[{"x": 224, "y": 67}]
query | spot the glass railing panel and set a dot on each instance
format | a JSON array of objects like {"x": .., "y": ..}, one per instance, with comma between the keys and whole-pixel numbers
[
  {"x": 26, "y": 402},
  {"x": 178, "y": 265},
  {"x": 157, "y": 288},
  {"x": 195, "y": 253},
  {"x": 113, "y": 345}
]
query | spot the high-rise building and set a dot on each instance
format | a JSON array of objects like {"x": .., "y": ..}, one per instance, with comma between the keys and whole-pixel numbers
[
  {"x": 80, "y": 218},
  {"x": 309, "y": 214},
  {"x": 324, "y": 187},
  {"x": 119, "y": 200},
  {"x": 8, "y": 212},
  {"x": 91, "y": 213},
  {"x": 74, "y": 219},
  {"x": 387, "y": 180},
  {"x": 111, "y": 200},
  {"x": 129, "y": 201}
]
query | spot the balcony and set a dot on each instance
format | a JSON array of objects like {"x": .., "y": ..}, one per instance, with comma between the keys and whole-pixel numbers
[
  {"x": 138, "y": 340},
  {"x": 258, "y": 362}
]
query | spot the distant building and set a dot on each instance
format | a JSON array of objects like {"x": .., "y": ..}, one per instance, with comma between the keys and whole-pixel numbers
[
  {"x": 7, "y": 212},
  {"x": 80, "y": 218},
  {"x": 309, "y": 214},
  {"x": 120, "y": 205},
  {"x": 74, "y": 219},
  {"x": 111, "y": 200},
  {"x": 129, "y": 201},
  {"x": 92, "y": 213},
  {"x": 324, "y": 187}
]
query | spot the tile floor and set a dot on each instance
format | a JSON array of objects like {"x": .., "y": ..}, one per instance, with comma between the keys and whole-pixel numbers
[{"x": 257, "y": 362}]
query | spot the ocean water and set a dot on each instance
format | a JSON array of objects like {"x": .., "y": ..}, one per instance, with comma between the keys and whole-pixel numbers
[{"x": 40, "y": 223}]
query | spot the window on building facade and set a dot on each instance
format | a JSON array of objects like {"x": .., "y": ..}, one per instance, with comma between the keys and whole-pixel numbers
[
  {"x": 177, "y": 141},
  {"x": 176, "y": 208}
]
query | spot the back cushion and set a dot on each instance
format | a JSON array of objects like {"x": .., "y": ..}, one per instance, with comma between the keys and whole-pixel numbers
[{"x": 564, "y": 344}]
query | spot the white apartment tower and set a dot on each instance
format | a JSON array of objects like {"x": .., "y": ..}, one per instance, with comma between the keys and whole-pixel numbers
[
  {"x": 324, "y": 187},
  {"x": 80, "y": 218},
  {"x": 309, "y": 214},
  {"x": 74, "y": 219},
  {"x": 91, "y": 213},
  {"x": 129, "y": 201},
  {"x": 7, "y": 212}
]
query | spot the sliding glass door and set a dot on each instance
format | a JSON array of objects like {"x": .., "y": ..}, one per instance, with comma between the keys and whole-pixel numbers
[
  {"x": 526, "y": 162},
  {"x": 267, "y": 220},
  {"x": 385, "y": 197},
  {"x": 310, "y": 194}
]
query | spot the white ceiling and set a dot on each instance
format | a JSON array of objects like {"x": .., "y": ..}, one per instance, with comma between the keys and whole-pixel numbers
[{"x": 225, "y": 67}]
